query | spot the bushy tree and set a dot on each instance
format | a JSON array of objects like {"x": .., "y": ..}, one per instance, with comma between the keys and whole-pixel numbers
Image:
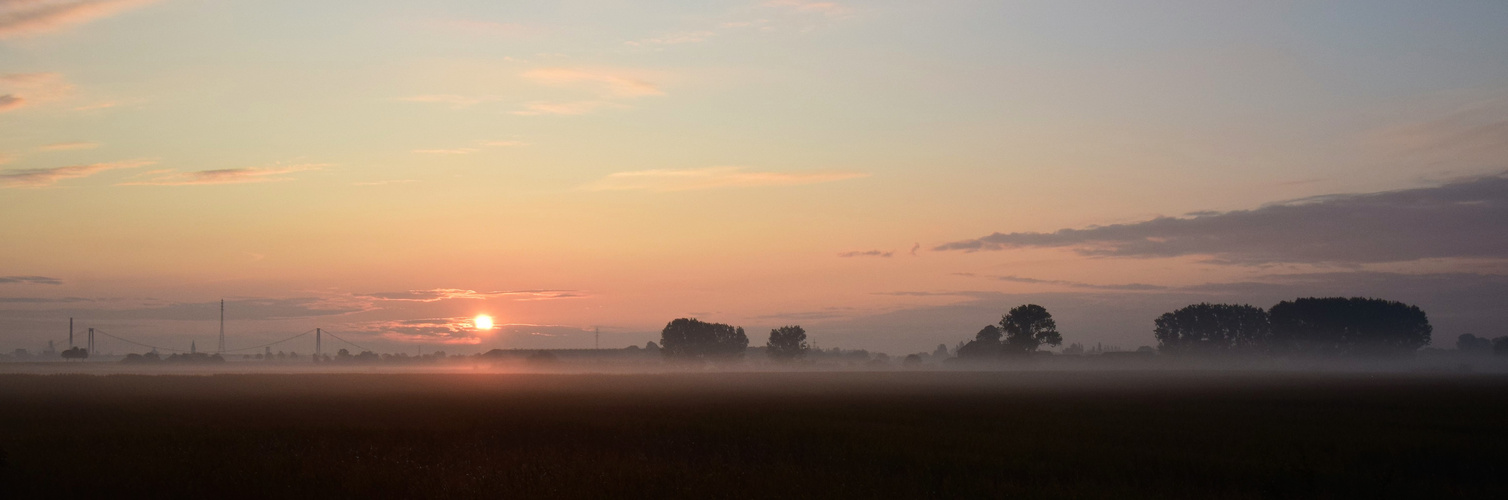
[
  {"x": 1349, "y": 326},
  {"x": 1500, "y": 346},
  {"x": 75, "y": 353},
  {"x": 1472, "y": 343},
  {"x": 1213, "y": 328},
  {"x": 692, "y": 339},
  {"x": 787, "y": 343},
  {"x": 1028, "y": 327},
  {"x": 986, "y": 344}
]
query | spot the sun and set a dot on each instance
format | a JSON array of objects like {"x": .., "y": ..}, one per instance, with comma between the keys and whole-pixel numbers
[{"x": 482, "y": 322}]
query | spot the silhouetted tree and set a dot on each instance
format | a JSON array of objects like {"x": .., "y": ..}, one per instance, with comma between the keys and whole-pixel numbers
[
  {"x": 543, "y": 358},
  {"x": 75, "y": 353},
  {"x": 691, "y": 339},
  {"x": 941, "y": 351},
  {"x": 1213, "y": 328},
  {"x": 1472, "y": 343},
  {"x": 1074, "y": 349},
  {"x": 1349, "y": 326},
  {"x": 912, "y": 360},
  {"x": 986, "y": 344},
  {"x": 1028, "y": 327},
  {"x": 1500, "y": 346},
  {"x": 787, "y": 343}
]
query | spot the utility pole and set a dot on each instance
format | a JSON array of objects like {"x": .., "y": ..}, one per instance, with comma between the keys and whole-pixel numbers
[
  {"x": 596, "y": 337},
  {"x": 222, "y": 327},
  {"x": 317, "y": 351},
  {"x": 91, "y": 341},
  {"x": 70, "y": 333}
]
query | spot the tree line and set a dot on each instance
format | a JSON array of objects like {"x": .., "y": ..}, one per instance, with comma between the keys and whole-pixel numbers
[
  {"x": 1329, "y": 326},
  {"x": 1338, "y": 326}
]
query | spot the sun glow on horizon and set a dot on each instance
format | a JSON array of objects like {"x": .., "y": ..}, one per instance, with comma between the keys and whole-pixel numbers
[{"x": 482, "y": 322}]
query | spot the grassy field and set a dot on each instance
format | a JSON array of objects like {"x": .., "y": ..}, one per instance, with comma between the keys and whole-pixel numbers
[{"x": 892, "y": 434}]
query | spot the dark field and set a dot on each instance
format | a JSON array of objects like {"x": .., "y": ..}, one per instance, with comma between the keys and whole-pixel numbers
[{"x": 893, "y": 434}]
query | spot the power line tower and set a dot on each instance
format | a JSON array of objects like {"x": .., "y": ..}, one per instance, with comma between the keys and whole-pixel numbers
[
  {"x": 91, "y": 341},
  {"x": 70, "y": 333},
  {"x": 222, "y": 328}
]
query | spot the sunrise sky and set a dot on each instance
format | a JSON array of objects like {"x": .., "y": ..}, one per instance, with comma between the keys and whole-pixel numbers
[{"x": 891, "y": 175}]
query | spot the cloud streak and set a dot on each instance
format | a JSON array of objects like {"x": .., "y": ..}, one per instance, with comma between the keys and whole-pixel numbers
[
  {"x": 18, "y": 90},
  {"x": 442, "y": 294},
  {"x": 609, "y": 82},
  {"x": 245, "y": 175},
  {"x": 1466, "y": 219},
  {"x": 43, "y": 177},
  {"x": 867, "y": 253},
  {"x": 19, "y": 18},
  {"x": 30, "y": 280},
  {"x": 69, "y": 146},
  {"x": 1128, "y": 287},
  {"x": 667, "y": 180}
]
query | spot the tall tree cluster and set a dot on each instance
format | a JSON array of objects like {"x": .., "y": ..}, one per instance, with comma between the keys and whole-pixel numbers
[
  {"x": 1214, "y": 328},
  {"x": 691, "y": 339},
  {"x": 787, "y": 343},
  {"x": 1022, "y": 330},
  {"x": 1341, "y": 326}
]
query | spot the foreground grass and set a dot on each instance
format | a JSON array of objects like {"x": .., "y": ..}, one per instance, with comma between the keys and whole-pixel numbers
[{"x": 951, "y": 435}]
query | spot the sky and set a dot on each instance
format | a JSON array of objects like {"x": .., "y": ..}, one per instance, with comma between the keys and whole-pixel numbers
[{"x": 890, "y": 175}]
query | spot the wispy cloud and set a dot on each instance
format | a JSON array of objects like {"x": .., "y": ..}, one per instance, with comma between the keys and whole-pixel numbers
[
  {"x": 454, "y": 330},
  {"x": 69, "y": 146},
  {"x": 442, "y": 294},
  {"x": 30, "y": 280},
  {"x": 867, "y": 253},
  {"x": 610, "y": 82},
  {"x": 227, "y": 176},
  {"x": 25, "y": 89},
  {"x": 34, "y": 17},
  {"x": 43, "y": 177},
  {"x": 1466, "y": 219},
  {"x": 504, "y": 144},
  {"x": 1127, "y": 287},
  {"x": 662, "y": 180}
]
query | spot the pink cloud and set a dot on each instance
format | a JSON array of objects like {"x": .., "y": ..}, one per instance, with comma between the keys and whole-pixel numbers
[
  {"x": 25, "y": 89},
  {"x": 43, "y": 177},
  {"x": 227, "y": 176},
  {"x": 611, "y": 82},
  {"x": 69, "y": 146},
  {"x": 662, "y": 180},
  {"x": 20, "y": 18}
]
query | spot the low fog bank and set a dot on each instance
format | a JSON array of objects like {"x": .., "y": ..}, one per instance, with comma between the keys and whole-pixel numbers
[
  {"x": 1332, "y": 334},
  {"x": 639, "y": 360}
]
